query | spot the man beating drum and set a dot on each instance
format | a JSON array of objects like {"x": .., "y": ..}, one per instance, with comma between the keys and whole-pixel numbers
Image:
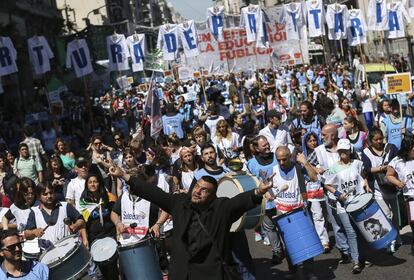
[
  {"x": 289, "y": 175},
  {"x": 201, "y": 224},
  {"x": 52, "y": 221}
]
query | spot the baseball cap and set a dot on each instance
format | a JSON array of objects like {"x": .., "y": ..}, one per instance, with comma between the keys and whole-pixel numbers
[{"x": 343, "y": 144}]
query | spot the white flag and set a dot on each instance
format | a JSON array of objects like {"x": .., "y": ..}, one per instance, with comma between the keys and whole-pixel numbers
[
  {"x": 336, "y": 19},
  {"x": 8, "y": 56},
  {"x": 215, "y": 20},
  {"x": 78, "y": 57},
  {"x": 251, "y": 18},
  {"x": 137, "y": 50},
  {"x": 168, "y": 41},
  {"x": 377, "y": 15},
  {"x": 315, "y": 15},
  {"x": 117, "y": 52},
  {"x": 357, "y": 28},
  {"x": 188, "y": 35},
  {"x": 294, "y": 20},
  {"x": 39, "y": 54}
]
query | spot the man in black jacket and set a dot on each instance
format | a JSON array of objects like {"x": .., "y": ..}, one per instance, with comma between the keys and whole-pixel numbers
[{"x": 194, "y": 256}]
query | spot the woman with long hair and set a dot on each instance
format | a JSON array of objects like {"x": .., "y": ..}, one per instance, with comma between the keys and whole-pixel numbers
[
  {"x": 368, "y": 97},
  {"x": 376, "y": 156},
  {"x": 315, "y": 192},
  {"x": 352, "y": 132},
  {"x": 226, "y": 140},
  {"x": 67, "y": 157},
  {"x": 58, "y": 176},
  {"x": 346, "y": 107},
  {"x": 183, "y": 175},
  {"x": 24, "y": 200},
  {"x": 399, "y": 173},
  {"x": 98, "y": 222}
]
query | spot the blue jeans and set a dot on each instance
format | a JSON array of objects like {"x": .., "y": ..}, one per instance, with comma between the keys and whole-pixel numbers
[
  {"x": 369, "y": 119},
  {"x": 350, "y": 235},
  {"x": 339, "y": 231}
]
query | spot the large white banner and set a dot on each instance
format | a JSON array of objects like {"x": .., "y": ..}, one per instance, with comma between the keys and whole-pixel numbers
[{"x": 234, "y": 53}]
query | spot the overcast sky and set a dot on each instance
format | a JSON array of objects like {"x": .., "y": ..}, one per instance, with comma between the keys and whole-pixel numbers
[{"x": 191, "y": 9}]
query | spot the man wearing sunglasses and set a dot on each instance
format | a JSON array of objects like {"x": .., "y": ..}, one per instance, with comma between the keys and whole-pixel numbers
[{"x": 13, "y": 266}]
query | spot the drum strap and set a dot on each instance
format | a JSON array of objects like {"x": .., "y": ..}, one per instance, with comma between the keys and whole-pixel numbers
[{"x": 301, "y": 179}]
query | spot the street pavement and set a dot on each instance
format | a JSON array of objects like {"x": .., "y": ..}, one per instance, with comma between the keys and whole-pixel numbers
[{"x": 399, "y": 266}]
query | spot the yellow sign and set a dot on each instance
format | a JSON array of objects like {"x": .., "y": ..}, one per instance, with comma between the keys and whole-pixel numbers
[{"x": 398, "y": 83}]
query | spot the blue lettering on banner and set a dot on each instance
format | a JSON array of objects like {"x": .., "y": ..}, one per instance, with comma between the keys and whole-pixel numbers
[
  {"x": 339, "y": 24},
  {"x": 356, "y": 29},
  {"x": 315, "y": 14},
  {"x": 217, "y": 22},
  {"x": 138, "y": 53},
  {"x": 80, "y": 57},
  {"x": 116, "y": 52},
  {"x": 138, "y": 217},
  {"x": 252, "y": 23},
  {"x": 189, "y": 37},
  {"x": 170, "y": 42},
  {"x": 5, "y": 57},
  {"x": 393, "y": 23},
  {"x": 287, "y": 195},
  {"x": 293, "y": 16},
  {"x": 379, "y": 13},
  {"x": 38, "y": 51},
  {"x": 266, "y": 39}
]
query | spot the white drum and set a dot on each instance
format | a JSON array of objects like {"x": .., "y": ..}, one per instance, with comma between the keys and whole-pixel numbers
[
  {"x": 31, "y": 249},
  {"x": 104, "y": 250},
  {"x": 232, "y": 185},
  {"x": 67, "y": 259}
]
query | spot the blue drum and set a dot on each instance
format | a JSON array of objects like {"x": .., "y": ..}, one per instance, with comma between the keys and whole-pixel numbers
[
  {"x": 234, "y": 184},
  {"x": 139, "y": 260},
  {"x": 299, "y": 235},
  {"x": 376, "y": 228}
]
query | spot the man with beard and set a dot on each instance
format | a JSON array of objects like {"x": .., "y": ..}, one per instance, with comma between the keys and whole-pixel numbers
[
  {"x": 47, "y": 222},
  {"x": 275, "y": 133},
  {"x": 261, "y": 165},
  {"x": 201, "y": 224},
  {"x": 239, "y": 245},
  {"x": 13, "y": 267},
  {"x": 307, "y": 121},
  {"x": 326, "y": 157}
]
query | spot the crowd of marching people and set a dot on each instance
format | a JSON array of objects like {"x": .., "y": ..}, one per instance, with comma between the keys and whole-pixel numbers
[{"x": 303, "y": 127}]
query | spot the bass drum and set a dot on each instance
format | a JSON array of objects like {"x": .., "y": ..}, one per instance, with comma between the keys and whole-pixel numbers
[
  {"x": 104, "y": 251},
  {"x": 67, "y": 259},
  {"x": 232, "y": 185}
]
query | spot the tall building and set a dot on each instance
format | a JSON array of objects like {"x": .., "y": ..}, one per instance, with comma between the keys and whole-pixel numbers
[
  {"x": 20, "y": 20},
  {"x": 78, "y": 13}
]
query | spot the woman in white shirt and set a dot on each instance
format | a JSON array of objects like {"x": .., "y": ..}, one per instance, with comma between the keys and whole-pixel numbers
[
  {"x": 226, "y": 140},
  {"x": 368, "y": 97},
  {"x": 400, "y": 173},
  {"x": 343, "y": 181},
  {"x": 183, "y": 174}
]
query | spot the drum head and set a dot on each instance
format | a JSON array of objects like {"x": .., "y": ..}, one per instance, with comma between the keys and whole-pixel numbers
[
  {"x": 358, "y": 202},
  {"x": 31, "y": 246},
  {"x": 228, "y": 188},
  {"x": 62, "y": 249},
  {"x": 103, "y": 249}
]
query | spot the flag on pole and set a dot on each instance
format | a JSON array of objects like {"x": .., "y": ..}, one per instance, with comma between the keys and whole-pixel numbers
[{"x": 153, "y": 108}]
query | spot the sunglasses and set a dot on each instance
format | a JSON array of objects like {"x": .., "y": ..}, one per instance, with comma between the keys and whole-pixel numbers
[{"x": 13, "y": 247}]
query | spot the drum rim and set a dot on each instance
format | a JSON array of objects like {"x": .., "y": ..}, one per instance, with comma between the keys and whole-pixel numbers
[
  {"x": 289, "y": 213},
  {"x": 363, "y": 207},
  {"x": 68, "y": 255},
  {"x": 147, "y": 240},
  {"x": 115, "y": 253},
  {"x": 234, "y": 179}
]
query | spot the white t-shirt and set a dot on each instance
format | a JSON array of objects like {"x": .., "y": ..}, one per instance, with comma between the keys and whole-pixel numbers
[
  {"x": 75, "y": 188},
  {"x": 212, "y": 125},
  {"x": 405, "y": 173},
  {"x": 346, "y": 179},
  {"x": 367, "y": 104},
  {"x": 226, "y": 145}
]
